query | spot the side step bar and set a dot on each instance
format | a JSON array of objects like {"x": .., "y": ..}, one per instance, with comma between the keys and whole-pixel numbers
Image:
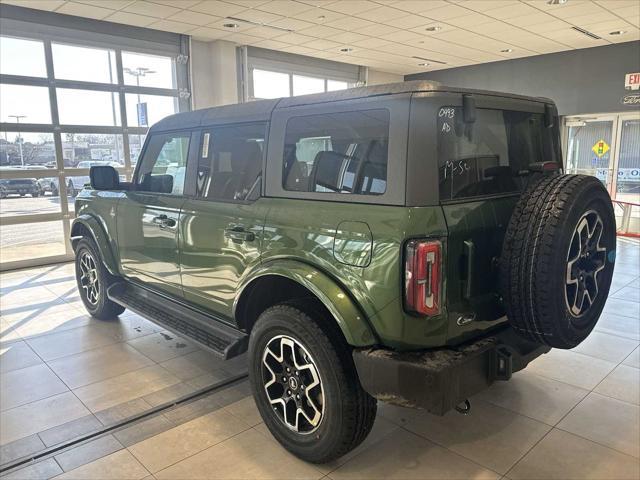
[{"x": 205, "y": 330}]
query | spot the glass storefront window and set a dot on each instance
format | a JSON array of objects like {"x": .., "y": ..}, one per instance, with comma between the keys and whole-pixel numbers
[
  {"x": 148, "y": 70},
  {"x": 270, "y": 84},
  {"x": 87, "y": 64},
  {"x": 27, "y": 241},
  {"x": 88, "y": 107},
  {"x": 22, "y": 57},
  {"x": 305, "y": 85},
  {"x": 93, "y": 148},
  {"x": 24, "y": 104},
  {"x": 628, "y": 181},
  {"x": 145, "y": 110},
  {"x": 333, "y": 85},
  {"x": 27, "y": 149}
]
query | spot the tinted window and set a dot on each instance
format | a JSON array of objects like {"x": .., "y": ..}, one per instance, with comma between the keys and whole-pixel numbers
[
  {"x": 164, "y": 164},
  {"x": 337, "y": 153},
  {"x": 492, "y": 155},
  {"x": 230, "y": 162}
]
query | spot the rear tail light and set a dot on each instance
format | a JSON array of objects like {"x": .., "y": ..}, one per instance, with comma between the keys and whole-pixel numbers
[{"x": 422, "y": 269}]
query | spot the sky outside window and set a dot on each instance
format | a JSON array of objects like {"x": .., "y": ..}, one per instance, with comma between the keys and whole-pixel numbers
[
  {"x": 22, "y": 57},
  {"x": 83, "y": 63}
]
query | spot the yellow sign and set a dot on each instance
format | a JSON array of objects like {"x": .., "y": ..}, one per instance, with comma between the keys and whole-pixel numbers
[{"x": 600, "y": 148}]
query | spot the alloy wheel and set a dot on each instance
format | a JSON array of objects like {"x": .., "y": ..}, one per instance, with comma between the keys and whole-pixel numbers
[
  {"x": 293, "y": 384},
  {"x": 585, "y": 260},
  {"x": 89, "y": 278}
]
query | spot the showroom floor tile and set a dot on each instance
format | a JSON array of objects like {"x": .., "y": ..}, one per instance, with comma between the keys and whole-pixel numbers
[{"x": 63, "y": 375}]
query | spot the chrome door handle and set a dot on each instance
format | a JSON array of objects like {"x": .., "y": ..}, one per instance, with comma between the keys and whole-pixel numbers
[{"x": 239, "y": 235}]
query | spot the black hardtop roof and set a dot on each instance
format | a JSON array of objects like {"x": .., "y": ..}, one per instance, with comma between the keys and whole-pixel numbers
[{"x": 260, "y": 111}]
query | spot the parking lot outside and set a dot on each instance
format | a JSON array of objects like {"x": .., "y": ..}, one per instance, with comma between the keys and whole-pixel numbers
[{"x": 29, "y": 240}]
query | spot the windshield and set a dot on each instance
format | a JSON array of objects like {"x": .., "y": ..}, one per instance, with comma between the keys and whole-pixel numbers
[{"x": 491, "y": 156}]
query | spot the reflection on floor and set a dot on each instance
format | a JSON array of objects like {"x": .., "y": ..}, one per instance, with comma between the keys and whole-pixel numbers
[{"x": 571, "y": 414}]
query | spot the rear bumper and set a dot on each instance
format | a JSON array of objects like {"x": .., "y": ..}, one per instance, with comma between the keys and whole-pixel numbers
[{"x": 439, "y": 379}]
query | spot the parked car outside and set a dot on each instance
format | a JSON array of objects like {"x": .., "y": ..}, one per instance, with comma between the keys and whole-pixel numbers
[
  {"x": 18, "y": 186},
  {"x": 75, "y": 183}
]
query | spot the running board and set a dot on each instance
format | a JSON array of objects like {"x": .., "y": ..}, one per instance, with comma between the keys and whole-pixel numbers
[{"x": 207, "y": 331}]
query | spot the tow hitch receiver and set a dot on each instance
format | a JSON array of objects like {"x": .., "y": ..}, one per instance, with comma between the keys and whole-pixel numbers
[{"x": 503, "y": 363}]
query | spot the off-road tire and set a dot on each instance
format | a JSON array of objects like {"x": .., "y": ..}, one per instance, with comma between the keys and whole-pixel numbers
[
  {"x": 535, "y": 265},
  {"x": 349, "y": 412},
  {"x": 103, "y": 308}
]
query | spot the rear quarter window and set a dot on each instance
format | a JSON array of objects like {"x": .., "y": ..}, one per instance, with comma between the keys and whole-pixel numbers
[
  {"x": 490, "y": 156},
  {"x": 340, "y": 152}
]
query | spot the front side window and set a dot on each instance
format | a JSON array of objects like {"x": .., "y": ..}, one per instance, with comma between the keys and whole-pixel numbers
[
  {"x": 164, "y": 164},
  {"x": 492, "y": 155},
  {"x": 230, "y": 162},
  {"x": 345, "y": 152}
]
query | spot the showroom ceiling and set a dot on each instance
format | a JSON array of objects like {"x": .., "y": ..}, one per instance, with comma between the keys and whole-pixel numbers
[{"x": 399, "y": 36}]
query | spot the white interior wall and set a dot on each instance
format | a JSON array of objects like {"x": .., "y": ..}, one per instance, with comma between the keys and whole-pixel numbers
[
  {"x": 377, "y": 77},
  {"x": 214, "y": 73}
]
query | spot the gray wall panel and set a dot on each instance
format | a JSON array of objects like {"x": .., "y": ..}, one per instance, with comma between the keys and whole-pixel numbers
[{"x": 589, "y": 80}]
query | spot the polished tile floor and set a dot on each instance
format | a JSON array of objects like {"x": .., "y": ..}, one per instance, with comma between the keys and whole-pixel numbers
[{"x": 571, "y": 414}]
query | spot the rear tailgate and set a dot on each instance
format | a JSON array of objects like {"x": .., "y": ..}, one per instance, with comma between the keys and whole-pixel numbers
[
  {"x": 476, "y": 231},
  {"x": 484, "y": 165}
]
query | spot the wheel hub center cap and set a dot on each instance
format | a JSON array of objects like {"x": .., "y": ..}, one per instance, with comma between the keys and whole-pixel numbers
[{"x": 293, "y": 383}]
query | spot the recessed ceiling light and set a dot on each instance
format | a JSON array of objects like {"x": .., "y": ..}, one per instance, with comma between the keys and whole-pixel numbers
[
  {"x": 345, "y": 50},
  {"x": 423, "y": 64},
  {"x": 231, "y": 25},
  {"x": 435, "y": 28},
  {"x": 556, "y": 2},
  {"x": 618, "y": 32},
  {"x": 507, "y": 50},
  {"x": 322, "y": 17}
]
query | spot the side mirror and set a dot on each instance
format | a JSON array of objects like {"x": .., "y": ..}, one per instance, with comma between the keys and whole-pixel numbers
[{"x": 104, "y": 177}]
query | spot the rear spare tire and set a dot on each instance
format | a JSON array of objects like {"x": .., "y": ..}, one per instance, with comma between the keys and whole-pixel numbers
[{"x": 557, "y": 259}]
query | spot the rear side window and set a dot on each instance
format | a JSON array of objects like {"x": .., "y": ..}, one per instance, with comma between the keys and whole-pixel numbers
[
  {"x": 490, "y": 156},
  {"x": 230, "y": 162},
  {"x": 163, "y": 167},
  {"x": 345, "y": 152}
]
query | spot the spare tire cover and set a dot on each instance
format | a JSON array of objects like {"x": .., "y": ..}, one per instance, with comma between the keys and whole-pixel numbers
[{"x": 557, "y": 259}]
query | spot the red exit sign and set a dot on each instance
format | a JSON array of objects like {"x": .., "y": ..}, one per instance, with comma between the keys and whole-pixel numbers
[{"x": 632, "y": 81}]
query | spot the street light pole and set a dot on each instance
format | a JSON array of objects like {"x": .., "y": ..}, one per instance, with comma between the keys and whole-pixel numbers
[
  {"x": 139, "y": 72},
  {"x": 18, "y": 117}
]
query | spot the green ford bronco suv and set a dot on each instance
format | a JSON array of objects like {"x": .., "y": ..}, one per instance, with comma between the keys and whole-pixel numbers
[{"x": 409, "y": 243}]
